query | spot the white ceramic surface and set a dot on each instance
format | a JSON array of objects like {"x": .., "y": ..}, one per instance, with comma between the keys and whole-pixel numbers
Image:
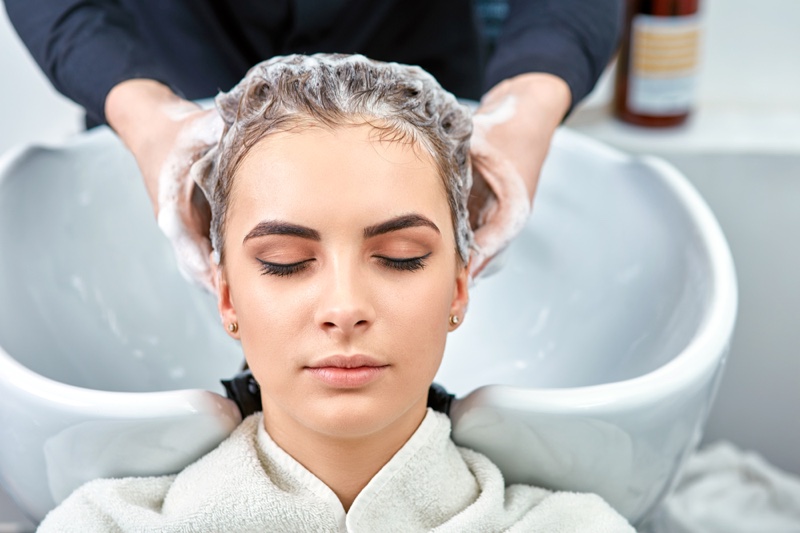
[
  {"x": 588, "y": 363},
  {"x": 607, "y": 331},
  {"x": 104, "y": 349}
]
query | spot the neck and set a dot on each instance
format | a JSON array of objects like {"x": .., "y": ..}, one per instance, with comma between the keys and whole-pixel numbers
[{"x": 344, "y": 464}]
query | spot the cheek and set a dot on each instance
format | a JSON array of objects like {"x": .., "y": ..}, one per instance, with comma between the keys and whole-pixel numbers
[
  {"x": 271, "y": 319},
  {"x": 415, "y": 318}
]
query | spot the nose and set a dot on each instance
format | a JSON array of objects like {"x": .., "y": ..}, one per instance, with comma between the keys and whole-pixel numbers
[{"x": 345, "y": 307}]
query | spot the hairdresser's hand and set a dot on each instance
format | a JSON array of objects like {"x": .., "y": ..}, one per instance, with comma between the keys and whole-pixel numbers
[
  {"x": 512, "y": 129},
  {"x": 167, "y": 135}
]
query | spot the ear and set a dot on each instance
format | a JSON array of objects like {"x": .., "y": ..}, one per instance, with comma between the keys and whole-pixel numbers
[
  {"x": 458, "y": 307},
  {"x": 225, "y": 306}
]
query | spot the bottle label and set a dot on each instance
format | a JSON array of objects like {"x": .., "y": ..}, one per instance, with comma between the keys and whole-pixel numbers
[{"x": 663, "y": 67}]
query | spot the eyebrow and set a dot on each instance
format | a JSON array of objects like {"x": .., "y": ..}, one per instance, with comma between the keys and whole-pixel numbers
[
  {"x": 277, "y": 227},
  {"x": 403, "y": 221}
]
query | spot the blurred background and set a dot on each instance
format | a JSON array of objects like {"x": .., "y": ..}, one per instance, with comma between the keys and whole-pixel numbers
[{"x": 740, "y": 148}]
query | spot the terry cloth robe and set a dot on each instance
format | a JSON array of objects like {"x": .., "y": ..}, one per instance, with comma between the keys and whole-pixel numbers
[{"x": 248, "y": 483}]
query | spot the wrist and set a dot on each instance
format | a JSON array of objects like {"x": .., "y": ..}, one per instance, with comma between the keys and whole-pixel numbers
[
  {"x": 134, "y": 107},
  {"x": 546, "y": 96}
]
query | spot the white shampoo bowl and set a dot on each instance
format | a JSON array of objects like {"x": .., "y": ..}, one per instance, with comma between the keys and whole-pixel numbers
[{"x": 588, "y": 363}]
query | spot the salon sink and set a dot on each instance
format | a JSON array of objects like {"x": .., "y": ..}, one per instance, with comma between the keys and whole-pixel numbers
[
  {"x": 591, "y": 360},
  {"x": 588, "y": 363}
]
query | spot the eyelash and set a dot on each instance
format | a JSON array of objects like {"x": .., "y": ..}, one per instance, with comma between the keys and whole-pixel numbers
[
  {"x": 410, "y": 264},
  {"x": 278, "y": 269}
]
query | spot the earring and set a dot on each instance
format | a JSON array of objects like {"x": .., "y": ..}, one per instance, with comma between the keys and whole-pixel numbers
[
  {"x": 233, "y": 327},
  {"x": 453, "y": 320}
]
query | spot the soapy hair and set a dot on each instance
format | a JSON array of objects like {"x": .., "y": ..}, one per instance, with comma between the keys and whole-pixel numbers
[{"x": 404, "y": 103}]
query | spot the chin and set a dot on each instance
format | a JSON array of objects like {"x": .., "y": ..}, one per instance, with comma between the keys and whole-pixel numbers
[{"x": 354, "y": 414}]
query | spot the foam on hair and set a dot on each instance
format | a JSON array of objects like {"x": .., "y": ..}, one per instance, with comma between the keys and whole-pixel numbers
[{"x": 403, "y": 102}]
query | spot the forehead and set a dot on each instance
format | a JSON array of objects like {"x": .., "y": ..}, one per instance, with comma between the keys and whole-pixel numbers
[{"x": 311, "y": 173}]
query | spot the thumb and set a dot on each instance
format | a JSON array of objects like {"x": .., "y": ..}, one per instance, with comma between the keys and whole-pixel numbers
[{"x": 192, "y": 251}]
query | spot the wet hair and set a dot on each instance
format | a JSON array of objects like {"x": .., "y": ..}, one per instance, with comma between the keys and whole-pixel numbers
[{"x": 404, "y": 103}]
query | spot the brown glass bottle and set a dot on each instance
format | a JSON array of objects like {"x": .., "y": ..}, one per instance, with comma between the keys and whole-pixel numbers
[{"x": 657, "y": 62}]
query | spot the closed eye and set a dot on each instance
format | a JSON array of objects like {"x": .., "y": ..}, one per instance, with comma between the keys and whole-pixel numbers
[
  {"x": 406, "y": 263},
  {"x": 283, "y": 269}
]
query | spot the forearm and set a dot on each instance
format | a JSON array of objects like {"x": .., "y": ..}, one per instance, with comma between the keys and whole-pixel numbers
[
  {"x": 85, "y": 47},
  {"x": 136, "y": 108}
]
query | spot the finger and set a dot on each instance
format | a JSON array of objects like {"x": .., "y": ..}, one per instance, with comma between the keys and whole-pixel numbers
[
  {"x": 479, "y": 199},
  {"x": 488, "y": 266},
  {"x": 201, "y": 211},
  {"x": 477, "y": 264},
  {"x": 193, "y": 260},
  {"x": 507, "y": 214},
  {"x": 185, "y": 234},
  {"x": 504, "y": 216},
  {"x": 480, "y": 258}
]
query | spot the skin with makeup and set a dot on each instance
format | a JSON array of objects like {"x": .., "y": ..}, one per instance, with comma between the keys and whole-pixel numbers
[{"x": 342, "y": 280}]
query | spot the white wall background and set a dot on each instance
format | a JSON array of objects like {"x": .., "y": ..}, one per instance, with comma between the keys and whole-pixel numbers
[
  {"x": 747, "y": 130},
  {"x": 751, "y": 54}
]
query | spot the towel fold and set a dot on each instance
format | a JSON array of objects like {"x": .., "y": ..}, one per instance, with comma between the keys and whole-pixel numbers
[{"x": 249, "y": 484}]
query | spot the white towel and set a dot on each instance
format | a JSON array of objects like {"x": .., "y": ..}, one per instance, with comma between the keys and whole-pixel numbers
[
  {"x": 249, "y": 483},
  {"x": 726, "y": 490}
]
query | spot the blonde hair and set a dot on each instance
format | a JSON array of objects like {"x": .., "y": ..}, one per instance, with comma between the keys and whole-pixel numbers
[{"x": 333, "y": 90}]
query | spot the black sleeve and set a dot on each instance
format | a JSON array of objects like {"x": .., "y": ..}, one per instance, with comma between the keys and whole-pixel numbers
[
  {"x": 85, "y": 47},
  {"x": 572, "y": 39}
]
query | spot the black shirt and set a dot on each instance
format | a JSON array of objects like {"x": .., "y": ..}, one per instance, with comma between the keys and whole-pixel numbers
[{"x": 199, "y": 47}]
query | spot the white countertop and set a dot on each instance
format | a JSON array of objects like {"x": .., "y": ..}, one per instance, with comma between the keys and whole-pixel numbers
[{"x": 710, "y": 128}]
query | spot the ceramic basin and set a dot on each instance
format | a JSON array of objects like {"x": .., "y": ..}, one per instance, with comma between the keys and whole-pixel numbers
[{"x": 589, "y": 362}]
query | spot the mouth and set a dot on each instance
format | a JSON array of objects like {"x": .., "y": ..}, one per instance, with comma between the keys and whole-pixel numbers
[{"x": 347, "y": 371}]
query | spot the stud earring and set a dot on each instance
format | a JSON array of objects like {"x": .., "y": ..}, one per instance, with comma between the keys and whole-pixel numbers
[
  {"x": 233, "y": 327},
  {"x": 453, "y": 320}
]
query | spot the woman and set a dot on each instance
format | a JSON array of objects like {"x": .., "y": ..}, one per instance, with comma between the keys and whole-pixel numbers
[{"x": 339, "y": 224}]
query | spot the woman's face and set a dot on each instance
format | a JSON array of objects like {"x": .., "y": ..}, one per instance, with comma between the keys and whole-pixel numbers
[{"x": 339, "y": 252}]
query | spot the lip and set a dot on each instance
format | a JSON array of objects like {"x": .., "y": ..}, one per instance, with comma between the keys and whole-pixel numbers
[{"x": 347, "y": 371}]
